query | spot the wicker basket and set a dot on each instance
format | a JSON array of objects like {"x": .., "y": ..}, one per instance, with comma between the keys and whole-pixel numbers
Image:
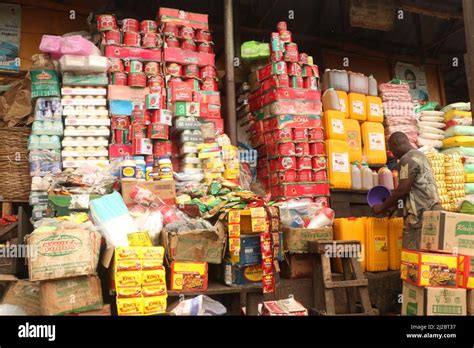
[{"x": 15, "y": 180}]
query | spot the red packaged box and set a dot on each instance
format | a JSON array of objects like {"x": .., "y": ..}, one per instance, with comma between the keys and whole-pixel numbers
[
  {"x": 284, "y": 176},
  {"x": 303, "y": 162},
  {"x": 207, "y": 97},
  {"x": 320, "y": 175},
  {"x": 258, "y": 127},
  {"x": 300, "y": 134},
  {"x": 294, "y": 69},
  {"x": 138, "y": 131},
  {"x": 296, "y": 107},
  {"x": 282, "y": 80},
  {"x": 296, "y": 82},
  {"x": 262, "y": 172},
  {"x": 208, "y": 72},
  {"x": 276, "y": 56},
  {"x": 305, "y": 175},
  {"x": 142, "y": 146},
  {"x": 277, "y": 68},
  {"x": 280, "y": 135},
  {"x": 116, "y": 92},
  {"x": 289, "y": 94},
  {"x": 316, "y": 134},
  {"x": 285, "y": 36},
  {"x": 182, "y": 18},
  {"x": 317, "y": 149},
  {"x": 161, "y": 116},
  {"x": 181, "y": 91},
  {"x": 299, "y": 190},
  {"x": 177, "y": 55},
  {"x": 257, "y": 139},
  {"x": 283, "y": 163},
  {"x": 218, "y": 124},
  {"x": 302, "y": 149},
  {"x": 311, "y": 83},
  {"x": 291, "y": 121},
  {"x": 307, "y": 71},
  {"x": 120, "y": 150},
  {"x": 162, "y": 148},
  {"x": 319, "y": 162},
  {"x": 210, "y": 110},
  {"x": 133, "y": 53},
  {"x": 158, "y": 131},
  {"x": 283, "y": 149},
  {"x": 120, "y": 122}
]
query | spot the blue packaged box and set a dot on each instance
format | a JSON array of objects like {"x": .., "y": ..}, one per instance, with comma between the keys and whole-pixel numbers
[{"x": 250, "y": 253}]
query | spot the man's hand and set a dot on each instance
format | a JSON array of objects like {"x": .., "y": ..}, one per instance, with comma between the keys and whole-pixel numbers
[{"x": 377, "y": 209}]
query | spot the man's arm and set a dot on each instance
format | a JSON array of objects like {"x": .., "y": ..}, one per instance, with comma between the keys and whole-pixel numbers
[{"x": 402, "y": 190}]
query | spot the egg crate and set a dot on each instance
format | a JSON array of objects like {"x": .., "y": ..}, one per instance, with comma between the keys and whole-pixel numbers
[
  {"x": 80, "y": 163},
  {"x": 86, "y": 132},
  {"x": 73, "y": 111},
  {"x": 75, "y": 142},
  {"x": 90, "y": 121},
  {"x": 84, "y": 101},
  {"x": 84, "y": 91},
  {"x": 85, "y": 153}
]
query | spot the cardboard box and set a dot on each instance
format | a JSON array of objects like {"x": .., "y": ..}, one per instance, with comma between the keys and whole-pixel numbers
[
  {"x": 207, "y": 97},
  {"x": 181, "y": 91},
  {"x": 121, "y": 107},
  {"x": 270, "y": 96},
  {"x": 164, "y": 189},
  {"x": 297, "y": 266},
  {"x": 235, "y": 275},
  {"x": 74, "y": 295},
  {"x": 448, "y": 232},
  {"x": 466, "y": 272},
  {"x": 295, "y": 240},
  {"x": 187, "y": 109},
  {"x": 285, "y": 308},
  {"x": 72, "y": 79},
  {"x": 105, "y": 311},
  {"x": 158, "y": 131},
  {"x": 120, "y": 150},
  {"x": 250, "y": 251},
  {"x": 44, "y": 83},
  {"x": 132, "y": 53},
  {"x": 25, "y": 295},
  {"x": 428, "y": 269},
  {"x": 278, "y": 68},
  {"x": 71, "y": 110},
  {"x": 431, "y": 301},
  {"x": 184, "y": 123},
  {"x": 218, "y": 123},
  {"x": 189, "y": 276},
  {"x": 182, "y": 18},
  {"x": 300, "y": 190},
  {"x": 199, "y": 245},
  {"x": 116, "y": 92},
  {"x": 291, "y": 121},
  {"x": 177, "y": 55},
  {"x": 103, "y": 153},
  {"x": 63, "y": 254},
  {"x": 470, "y": 302}
]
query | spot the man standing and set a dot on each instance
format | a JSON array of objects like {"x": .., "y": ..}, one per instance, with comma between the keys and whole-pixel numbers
[{"x": 417, "y": 188}]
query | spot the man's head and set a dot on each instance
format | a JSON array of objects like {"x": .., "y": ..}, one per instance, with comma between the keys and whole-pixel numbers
[
  {"x": 399, "y": 144},
  {"x": 411, "y": 78}
]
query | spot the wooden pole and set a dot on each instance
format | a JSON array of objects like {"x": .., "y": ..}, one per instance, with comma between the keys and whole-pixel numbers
[
  {"x": 231, "y": 114},
  {"x": 468, "y": 10}
]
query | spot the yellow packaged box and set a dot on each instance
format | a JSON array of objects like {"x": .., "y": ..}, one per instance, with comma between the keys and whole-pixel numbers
[
  {"x": 129, "y": 306},
  {"x": 466, "y": 272},
  {"x": 154, "y": 305},
  {"x": 428, "y": 269},
  {"x": 189, "y": 276}
]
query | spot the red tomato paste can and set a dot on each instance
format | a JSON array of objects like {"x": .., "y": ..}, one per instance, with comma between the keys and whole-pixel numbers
[
  {"x": 112, "y": 37},
  {"x": 106, "y": 22},
  {"x": 133, "y": 66},
  {"x": 191, "y": 71},
  {"x": 157, "y": 81},
  {"x": 148, "y": 26},
  {"x": 305, "y": 175},
  {"x": 209, "y": 85},
  {"x": 120, "y": 122},
  {"x": 170, "y": 29},
  {"x": 317, "y": 149},
  {"x": 276, "y": 56},
  {"x": 186, "y": 33},
  {"x": 285, "y": 36},
  {"x": 302, "y": 149},
  {"x": 310, "y": 82},
  {"x": 149, "y": 40},
  {"x": 282, "y": 26},
  {"x": 188, "y": 45},
  {"x": 131, "y": 39},
  {"x": 174, "y": 69},
  {"x": 152, "y": 68},
  {"x": 203, "y": 35},
  {"x": 121, "y": 136},
  {"x": 303, "y": 58},
  {"x": 204, "y": 47},
  {"x": 172, "y": 41},
  {"x": 304, "y": 162},
  {"x": 137, "y": 79},
  {"x": 316, "y": 134},
  {"x": 282, "y": 134},
  {"x": 294, "y": 69},
  {"x": 287, "y": 176},
  {"x": 319, "y": 162},
  {"x": 286, "y": 149},
  {"x": 296, "y": 82},
  {"x": 118, "y": 78},
  {"x": 116, "y": 65},
  {"x": 130, "y": 25},
  {"x": 320, "y": 175},
  {"x": 138, "y": 131},
  {"x": 208, "y": 72},
  {"x": 162, "y": 148},
  {"x": 300, "y": 134}
]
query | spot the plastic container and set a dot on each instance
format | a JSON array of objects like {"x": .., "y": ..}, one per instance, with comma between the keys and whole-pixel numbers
[
  {"x": 140, "y": 167},
  {"x": 349, "y": 229},
  {"x": 324, "y": 218},
  {"x": 339, "y": 165},
  {"x": 358, "y": 83},
  {"x": 373, "y": 91},
  {"x": 166, "y": 168},
  {"x": 128, "y": 169},
  {"x": 376, "y": 246},
  {"x": 330, "y": 100},
  {"x": 343, "y": 102},
  {"x": 395, "y": 237},
  {"x": 367, "y": 180},
  {"x": 375, "y": 178},
  {"x": 386, "y": 178},
  {"x": 377, "y": 195},
  {"x": 337, "y": 79},
  {"x": 374, "y": 109},
  {"x": 334, "y": 125},
  {"x": 354, "y": 140},
  {"x": 395, "y": 178},
  {"x": 373, "y": 137},
  {"x": 357, "y": 106},
  {"x": 356, "y": 177}
]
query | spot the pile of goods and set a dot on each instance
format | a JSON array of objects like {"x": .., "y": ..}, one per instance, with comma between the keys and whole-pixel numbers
[
  {"x": 430, "y": 127},
  {"x": 436, "y": 161}
]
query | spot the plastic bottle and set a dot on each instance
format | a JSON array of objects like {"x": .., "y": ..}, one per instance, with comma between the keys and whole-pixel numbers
[
  {"x": 331, "y": 100},
  {"x": 395, "y": 179},
  {"x": 140, "y": 167},
  {"x": 149, "y": 168},
  {"x": 386, "y": 178},
  {"x": 375, "y": 178},
  {"x": 367, "y": 179},
  {"x": 166, "y": 168},
  {"x": 324, "y": 218},
  {"x": 356, "y": 177},
  {"x": 373, "y": 86},
  {"x": 128, "y": 169}
]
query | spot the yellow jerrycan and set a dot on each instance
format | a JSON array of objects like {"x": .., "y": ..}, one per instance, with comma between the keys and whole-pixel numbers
[
  {"x": 334, "y": 125},
  {"x": 343, "y": 102},
  {"x": 374, "y": 109},
  {"x": 376, "y": 237},
  {"x": 357, "y": 107},
  {"x": 339, "y": 166},
  {"x": 354, "y": 140},
  {"x": 373, "y": 137},
  {"x": 349, "y": 229},
  {"x": 395, "y": 236}
]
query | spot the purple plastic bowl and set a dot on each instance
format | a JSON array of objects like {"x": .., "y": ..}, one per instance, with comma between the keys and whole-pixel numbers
[{"x": 378, "y": 195}]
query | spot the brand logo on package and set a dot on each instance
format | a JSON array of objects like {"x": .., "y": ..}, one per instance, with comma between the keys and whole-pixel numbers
[
  {"x": 44, "y": 76},
  {"x": 60, "y": 245},
  {"x": 464, "y": 228}
]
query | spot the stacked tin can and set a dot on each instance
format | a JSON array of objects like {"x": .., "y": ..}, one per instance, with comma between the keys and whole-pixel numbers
[{"x": 284, "y": 109}]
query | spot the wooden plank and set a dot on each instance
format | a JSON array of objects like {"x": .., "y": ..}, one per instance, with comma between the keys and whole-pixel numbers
[
  {"x": 328, "y": 293},
  {"x": 216, "y": 288},
  {"x": 347, "y": 283},
  {"x": 413, "y": 8},
  {"x": 6, "y": 209},
  {"x": 319, "y": 299},
  {"x": 468, "y": 9},
  {"x": 363, "y": 291},
  {"x": 251, "y": 304},
  {"x": 350, "y": 292}
]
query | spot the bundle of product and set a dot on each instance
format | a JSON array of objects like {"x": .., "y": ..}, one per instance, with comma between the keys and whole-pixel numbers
[
  {"x": 398, "y": 110},
  {"x": 455, "y": 179},
  {"x": 430, "y": 126},
  {"x": 437, "y": 162}
]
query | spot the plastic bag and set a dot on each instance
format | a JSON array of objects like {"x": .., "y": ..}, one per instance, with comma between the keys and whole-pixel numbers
[
  {"x": 199, "y": 305},
  {"x": 151, "y": 222},
  {"x": 459, "y": 130},
  {"x": 7, "y": 309}
]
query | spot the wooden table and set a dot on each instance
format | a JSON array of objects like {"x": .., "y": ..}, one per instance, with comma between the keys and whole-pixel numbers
[{"x": 350, "y": 203}]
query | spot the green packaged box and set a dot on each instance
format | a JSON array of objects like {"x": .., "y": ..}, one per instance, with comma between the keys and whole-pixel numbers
[
  {"x": 85, "y": 80},
  {"x": 44, "y": 83}
]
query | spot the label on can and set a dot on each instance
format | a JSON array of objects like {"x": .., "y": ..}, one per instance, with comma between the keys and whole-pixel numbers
[
  {"x": 120, "y": 122},
  {"x": 172, "y": 41},
  {"x": 300, "y": 134},
  {"x": 148, "y": 26},
  {"x": 121, "y": 136},
  {"x": 208, "y": 72},
  {"x": 303, "y": 162},
  {"x": 186, "y": 33},
  {"x": 204, "y": 47},
  {"x": 203, "y": 35},
  {"x": 138, "y": 131},
  {"x": 296, "y": 82},
  {"x": 285, "y": 36},
  {"x": 188, "y": 45},
  {"x": 311, "y": 82},
  {"x": 118, "y": 78},
  {"x": 302, "y": 149},
  {"x": 305, "y": 175},
  {"x": 133, "y": 66},
  {"x": 131, "y": 39},
  {"x": 209, "y": 85},
  {"x": 191, "y": 71},
  {"x": 136, "y": 79},
  {"x": 112, "y": 37},
  {"x": 152, "y": 68},
  {"x": 106, "y": 22},
  {"x": 174, "y": 69},
  {"x": 130, "y": 25},
  {"x": 149, "y": 40},
  {"x": 155, "y": 81},
  {"x": 116, "y": 65},
  {"x": 128, "y": 172},
  {"x": 162, "y": 148},
  {"x": 170, "y": 29},
  {"x": 166, "y": 171},
  {"x": 282, "y": 26}
]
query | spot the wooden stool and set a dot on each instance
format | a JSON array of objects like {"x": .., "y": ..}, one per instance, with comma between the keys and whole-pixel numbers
[{"x": 324, "y": 285}]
